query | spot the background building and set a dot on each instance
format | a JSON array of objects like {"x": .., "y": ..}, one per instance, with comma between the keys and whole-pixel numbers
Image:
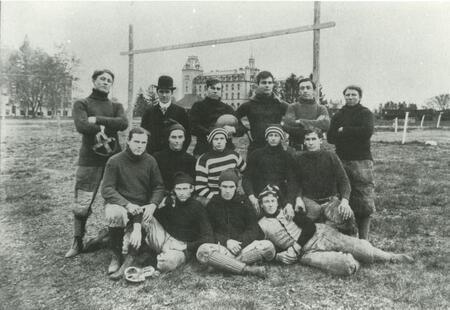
[{"x": 237, "y": 84}]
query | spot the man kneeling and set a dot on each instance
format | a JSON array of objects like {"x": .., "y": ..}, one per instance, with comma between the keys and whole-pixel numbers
[
  {"x": 238, "y": 238},
  {"x": 316, "y": 245}
]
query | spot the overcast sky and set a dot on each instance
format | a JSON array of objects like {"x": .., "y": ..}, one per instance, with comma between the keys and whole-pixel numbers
[{"x": 394, "y": 50}]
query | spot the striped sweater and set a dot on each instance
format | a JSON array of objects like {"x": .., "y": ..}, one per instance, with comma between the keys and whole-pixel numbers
[{"x": 208, "y": 169}]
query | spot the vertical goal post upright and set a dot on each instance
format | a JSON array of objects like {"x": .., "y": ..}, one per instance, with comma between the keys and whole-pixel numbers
[{"x": 316, "y": 27}]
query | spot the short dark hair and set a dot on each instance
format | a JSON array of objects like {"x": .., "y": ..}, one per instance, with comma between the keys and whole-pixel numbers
[
  {"x": 100, "y": 72},
  {"x": 212, "y": 81},
  {"x": 263, "y": 75},
  {"x": 137, "y": 130},
  {"x": 354, "y": 87},
  {"x": 316, "y": 130},
  {"x": 307, "y": 80}
]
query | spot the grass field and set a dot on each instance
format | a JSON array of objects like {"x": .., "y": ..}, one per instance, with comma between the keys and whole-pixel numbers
[{"x": 38, "y": 161}]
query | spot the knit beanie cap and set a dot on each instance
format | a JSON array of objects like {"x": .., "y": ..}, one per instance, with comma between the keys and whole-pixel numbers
[
  {"x": 217, "y": 131},
  {"x": 269, "y": 190},
  {"x": 275, "y": 128},
  {"x": 176, "y": 126},
  {"x": 182, "y": 177},
  {"x": 229, "y": 174}
]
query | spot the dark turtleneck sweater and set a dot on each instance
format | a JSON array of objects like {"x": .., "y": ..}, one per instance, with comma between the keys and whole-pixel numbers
[
  {"x": 261, "y": 110},
  {"x": 186, "y": 221},
  {"x": 109, "y": 114},
  {"x": 132, "y": 179},
  {"x": 170, "y": 162},
  {"x": 353, "y": 143},
  {"x": 203, "y": 117},
  {"x": 233, "y": 219},
  {"x": 270, "y": 165},
  {"x": 157, "y": 123},
  {"x": 306, "y": 112},
  {"x": 320, "y": 174}
]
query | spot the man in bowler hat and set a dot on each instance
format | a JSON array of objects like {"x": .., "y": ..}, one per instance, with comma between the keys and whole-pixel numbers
[{"x": 157, "y": 118}]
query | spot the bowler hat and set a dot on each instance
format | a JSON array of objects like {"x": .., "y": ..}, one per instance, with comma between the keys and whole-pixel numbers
[{"x": 165, "y": 82}]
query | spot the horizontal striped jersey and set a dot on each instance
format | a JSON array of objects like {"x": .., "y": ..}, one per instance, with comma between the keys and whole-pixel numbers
[{"x": 208, "y": 169}]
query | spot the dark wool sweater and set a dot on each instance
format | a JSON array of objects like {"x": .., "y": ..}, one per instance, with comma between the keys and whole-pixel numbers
[
  {"x": 270, "y": 165},
  {"x": 320, "y": 174},
  {"x": 187, "y": 222},
  {"x": 170, "y": 161},
  {"x": 203, "y": 116},
  {"x": 157, "y": 124},
  {"x": 130, "y": 178},
  {"x": 307, "y": 113},
  {"x": 109, "y": 114},
  {"x": 353, "y": 143},
  {"x": 261, "y": 111},
  {"x": 233, "y": 219}
]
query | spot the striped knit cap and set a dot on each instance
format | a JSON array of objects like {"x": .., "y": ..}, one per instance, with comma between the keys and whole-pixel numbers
[
  {"x": 269, "y": 190},
  {"x": 275, "y": 128},
  {"x": 215, "y": 132}
]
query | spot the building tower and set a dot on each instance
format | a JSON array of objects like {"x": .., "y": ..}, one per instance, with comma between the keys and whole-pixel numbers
[{"x": 190, "y": 70}]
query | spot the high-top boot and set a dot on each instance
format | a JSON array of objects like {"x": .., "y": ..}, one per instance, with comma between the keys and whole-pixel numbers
[
  {"x": 100, "y": 241},
  {"x": 79, "y": 227},
  {"x": 115, "y": 244}
]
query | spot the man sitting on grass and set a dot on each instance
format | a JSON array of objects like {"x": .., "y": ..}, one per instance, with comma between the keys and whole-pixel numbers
[
  {"x": 316, "y": 245},
  {"x": 324, "y": 188},
  {"x": 132, "y": 188},
  {"x": 238, "y": 240},
  {"x": 213, "y": 162}
]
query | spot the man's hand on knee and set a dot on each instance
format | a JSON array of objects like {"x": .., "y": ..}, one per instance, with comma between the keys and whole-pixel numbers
[
  {"x": 287, "y": 257},
  {"x": 234, "y": 246},
  {"x": 133, "y": 209},
  {"x": 148, "y": 212}
]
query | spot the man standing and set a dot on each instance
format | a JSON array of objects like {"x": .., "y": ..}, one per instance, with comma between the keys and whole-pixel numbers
[
  {"x": 350, "y": 131},
  {"x": 173, "y": 157},
  {"x": 132, "y": 188},
  {"x": 262, "y": 109},
  {"x": 98, "y": 119},
  {"x": 304, "y": 114},
  {"x": 157, "y": 118},
  {"x": 238, "y": 240},
  {"x": 205, "y": 113},
  {"x": 324, "y": 188}
]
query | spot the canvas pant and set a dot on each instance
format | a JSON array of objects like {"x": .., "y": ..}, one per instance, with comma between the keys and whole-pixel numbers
[
  {"x": 326, "y": 211},
  {"x": 87, "y": 183},
  {"x": 338, "y": 253},
  {"x": 170, "y": 251},
  {"x": 219, "y": 256}
]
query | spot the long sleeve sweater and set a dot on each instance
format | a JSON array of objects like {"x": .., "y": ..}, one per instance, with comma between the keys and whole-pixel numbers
[
  {"x": 261, "y": 111},
  {"x": 320, "y": 174},
  {"x": 353, "y": 143},
  {"x": 170, "y": 162},
  {"x": 208, "y": 169},
  {"x": 233, "y": 219},
  {"x": 132, "y": 179},
  {"x": 270, "y": 165},
  {"x": 187, "y": 222},
  {"x": 109, "y": 114},
  {"x": 156, "y": 123},
  {"x": 302, "y": 115}
]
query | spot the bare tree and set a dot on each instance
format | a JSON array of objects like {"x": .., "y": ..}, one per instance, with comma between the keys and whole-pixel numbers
[{"x": 440, "y": 102}]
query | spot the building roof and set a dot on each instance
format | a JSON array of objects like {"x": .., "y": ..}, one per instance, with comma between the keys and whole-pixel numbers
[{"x": 188, "y": 100}]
